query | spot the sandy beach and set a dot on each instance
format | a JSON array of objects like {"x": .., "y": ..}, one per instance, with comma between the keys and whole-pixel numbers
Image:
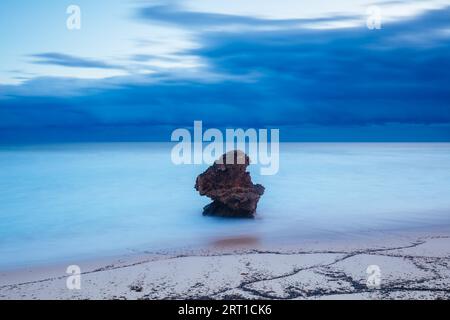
[
  {"x": 225, "y": 150},
  {"x": 414, "y": 265}
]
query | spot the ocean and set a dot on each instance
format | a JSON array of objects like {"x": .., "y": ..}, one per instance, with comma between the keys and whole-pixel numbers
[{"x": 80, "y": 201}]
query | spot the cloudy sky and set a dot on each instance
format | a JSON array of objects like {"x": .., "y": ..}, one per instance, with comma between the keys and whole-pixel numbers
[{"x": 138, "y": 69}]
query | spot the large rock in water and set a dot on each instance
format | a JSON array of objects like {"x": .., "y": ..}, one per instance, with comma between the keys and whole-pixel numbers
[{"x": 230, "y": 187}]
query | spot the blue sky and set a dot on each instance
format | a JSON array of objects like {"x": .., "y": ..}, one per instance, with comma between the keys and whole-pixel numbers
[{"x": 138, "y": 69}]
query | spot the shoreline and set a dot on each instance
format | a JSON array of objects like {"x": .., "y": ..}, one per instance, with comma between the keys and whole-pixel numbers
[{"x": 413, "y": 264}]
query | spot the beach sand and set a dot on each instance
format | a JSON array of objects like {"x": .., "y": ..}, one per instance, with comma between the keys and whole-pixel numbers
[{"x": 412, "y": 266}]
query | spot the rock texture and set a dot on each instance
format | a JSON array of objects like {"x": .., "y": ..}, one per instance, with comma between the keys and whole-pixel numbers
[{"x": 230, "y": 187}]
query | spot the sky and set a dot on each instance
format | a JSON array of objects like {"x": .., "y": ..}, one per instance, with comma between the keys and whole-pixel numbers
[{"x": 136, "y": 70}]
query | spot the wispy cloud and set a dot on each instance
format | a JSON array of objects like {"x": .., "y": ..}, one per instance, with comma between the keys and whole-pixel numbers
[
  {"x": 294, "y": 15},
  {"x": 177, "y": 15},
  {"x": 66, "y": 60}
]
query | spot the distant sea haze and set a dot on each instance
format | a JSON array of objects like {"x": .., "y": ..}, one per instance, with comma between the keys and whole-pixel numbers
[{"x": 390, "y": 132}]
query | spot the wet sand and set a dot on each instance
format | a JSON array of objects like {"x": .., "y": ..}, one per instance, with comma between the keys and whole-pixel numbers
[{"x": 412, "y": 266}]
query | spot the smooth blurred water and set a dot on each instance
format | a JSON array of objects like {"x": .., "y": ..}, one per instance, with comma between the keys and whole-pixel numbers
[{"x": 62, "y": 202}]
